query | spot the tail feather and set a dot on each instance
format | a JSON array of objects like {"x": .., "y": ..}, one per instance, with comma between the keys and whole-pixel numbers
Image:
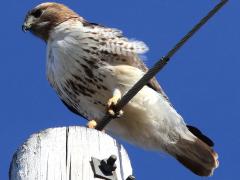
[
  {"x": 197, "y": 156},
  {"x": 200, "y": 135}
]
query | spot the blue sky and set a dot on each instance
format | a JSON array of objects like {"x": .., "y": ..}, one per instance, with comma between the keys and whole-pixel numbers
[{"x": 202, "y": 80}]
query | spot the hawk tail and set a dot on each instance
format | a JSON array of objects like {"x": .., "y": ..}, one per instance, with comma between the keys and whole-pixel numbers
[{"x": 197, "y": 156}]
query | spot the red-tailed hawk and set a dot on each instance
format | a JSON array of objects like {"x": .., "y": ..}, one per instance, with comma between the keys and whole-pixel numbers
[{"x": 91, "y": 66}]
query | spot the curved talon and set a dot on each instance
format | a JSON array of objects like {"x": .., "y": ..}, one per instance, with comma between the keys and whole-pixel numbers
[
  {"x": 111, "y": 112},
  {"x": 112, "y": 102},
  {"x": 92, "y": 124},
  {"x": 114, "y": 114}
]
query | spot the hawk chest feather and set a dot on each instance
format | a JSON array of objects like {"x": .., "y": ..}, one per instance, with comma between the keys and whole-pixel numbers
[{"x": 79, "y": 77}]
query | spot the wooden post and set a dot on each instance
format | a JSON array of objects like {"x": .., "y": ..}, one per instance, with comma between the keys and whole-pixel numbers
[{"x": 66, "y": 154}]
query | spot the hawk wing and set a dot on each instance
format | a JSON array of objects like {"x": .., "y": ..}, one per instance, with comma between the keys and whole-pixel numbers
[
  {"x": 116, "y": 49},
  {"x": 153, "y": 83}
]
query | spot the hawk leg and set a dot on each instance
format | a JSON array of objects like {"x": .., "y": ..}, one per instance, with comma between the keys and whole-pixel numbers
[
  {"x": 110, "y": 108},
  {"x": 117, "y": 95}
]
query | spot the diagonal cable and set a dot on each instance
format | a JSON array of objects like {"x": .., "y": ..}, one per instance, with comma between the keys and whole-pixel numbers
[{"x": 158, "y": 66}]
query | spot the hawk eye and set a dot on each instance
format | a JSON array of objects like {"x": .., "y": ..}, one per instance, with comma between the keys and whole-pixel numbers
[{"x": 37, "y": 13}]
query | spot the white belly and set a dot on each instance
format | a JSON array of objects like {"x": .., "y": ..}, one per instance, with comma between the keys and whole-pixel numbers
[{"x": 148, "y": 121}]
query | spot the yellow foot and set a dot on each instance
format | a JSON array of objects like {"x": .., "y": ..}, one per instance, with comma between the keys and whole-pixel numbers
[
  {"x": 111, "y": 104},
  {"x": 92, "y": 124},
  {"x": 113, "y": 101}
]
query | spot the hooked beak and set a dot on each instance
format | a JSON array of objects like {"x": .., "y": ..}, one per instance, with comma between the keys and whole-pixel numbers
[{"x": 27, "y": 25}]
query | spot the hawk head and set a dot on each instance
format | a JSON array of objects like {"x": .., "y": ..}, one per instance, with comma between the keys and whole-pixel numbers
[{"x": 44, "y": 17}]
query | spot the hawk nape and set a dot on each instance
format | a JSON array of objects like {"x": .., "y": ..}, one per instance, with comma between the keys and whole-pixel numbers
[{"x": 92, "y": 66}]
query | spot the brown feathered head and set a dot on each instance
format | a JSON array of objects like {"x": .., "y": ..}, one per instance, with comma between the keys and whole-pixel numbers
[{"x": 44, "y": 17}]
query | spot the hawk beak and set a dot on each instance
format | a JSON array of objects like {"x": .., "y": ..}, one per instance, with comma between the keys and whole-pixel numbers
[
  {"x": 26, "y": 27},
  {"x": 29, "y": 20}
]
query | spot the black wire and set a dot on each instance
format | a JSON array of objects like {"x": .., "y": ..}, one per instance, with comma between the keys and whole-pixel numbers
[{"x": 158, "y": 66}]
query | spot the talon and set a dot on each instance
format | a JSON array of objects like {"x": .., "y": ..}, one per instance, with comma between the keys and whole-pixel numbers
[
  {"x": 111, "y": 112},
  {"x": 119, "y": 114},
  {"x": 92, "y": 124},
  {"x": 112, "y": 102},
  {"x": 114, "y": 114}
]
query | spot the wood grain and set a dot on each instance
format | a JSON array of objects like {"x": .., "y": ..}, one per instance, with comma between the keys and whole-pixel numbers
[{"x": 65, "y": 153}]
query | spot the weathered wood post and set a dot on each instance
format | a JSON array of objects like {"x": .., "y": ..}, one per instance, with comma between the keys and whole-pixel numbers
[{"x": 70, "y": 153}]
